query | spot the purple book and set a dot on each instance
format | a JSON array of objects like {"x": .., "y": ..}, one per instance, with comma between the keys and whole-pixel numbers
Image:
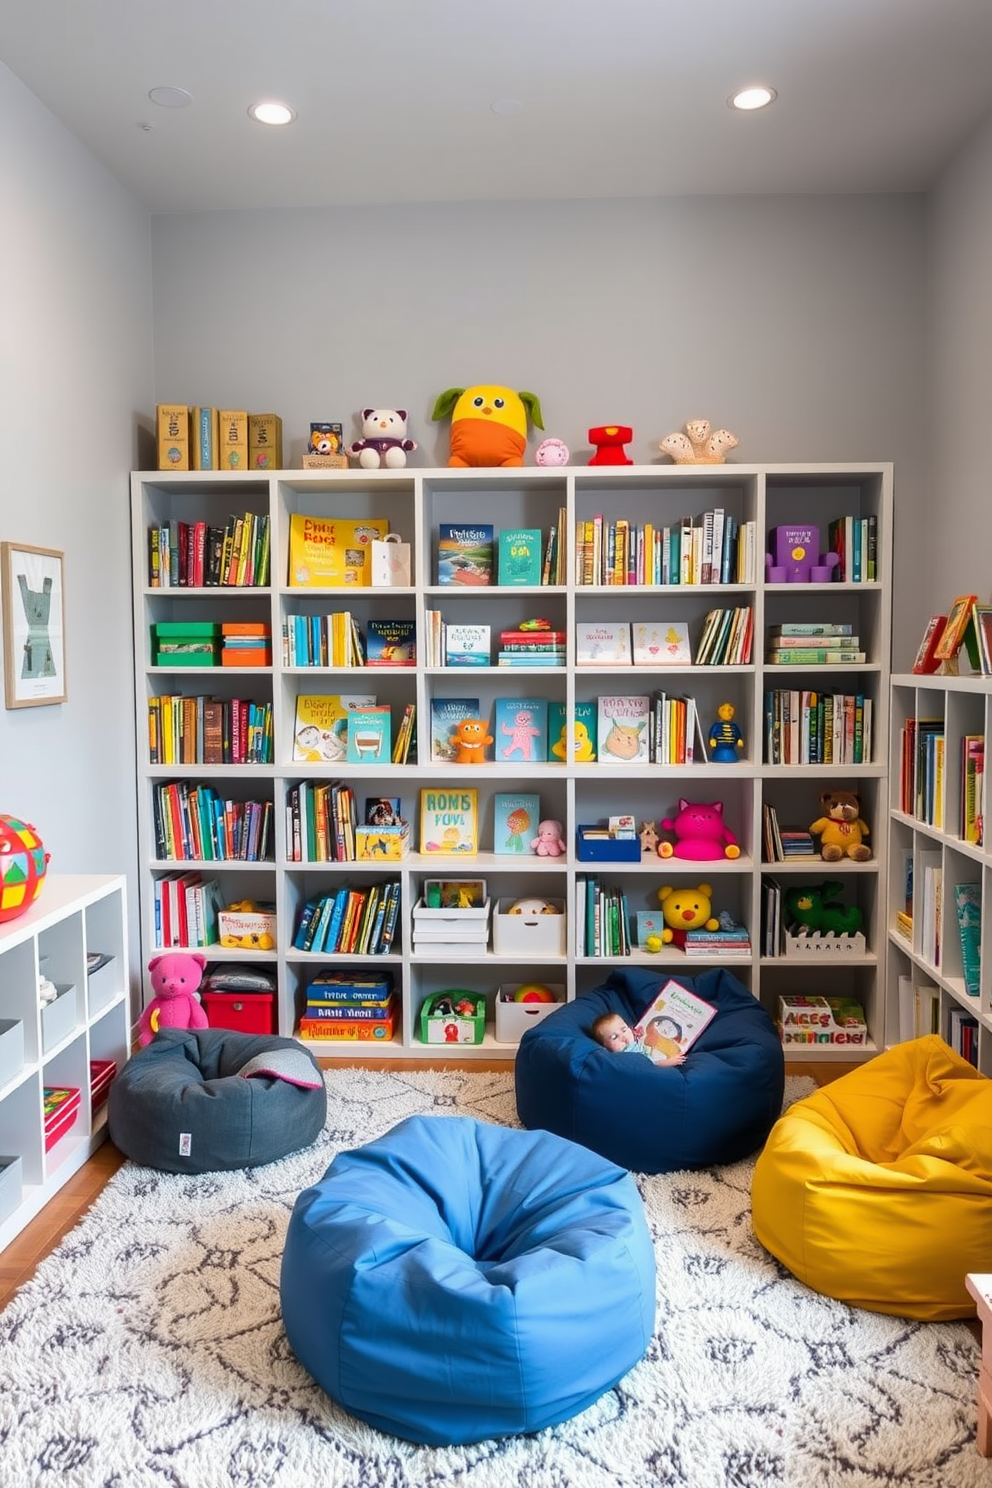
[{"x": 796, "y": 549}]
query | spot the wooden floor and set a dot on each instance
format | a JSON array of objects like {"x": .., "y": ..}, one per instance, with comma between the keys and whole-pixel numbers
[{"x": 18, "y": 1261}]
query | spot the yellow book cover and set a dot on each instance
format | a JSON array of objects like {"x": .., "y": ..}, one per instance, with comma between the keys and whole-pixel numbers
[
  {"x": 172, "y": 428},
  {"x": 449, "y": 822},
  {"x": 332, "y": 551},
  {"x": 320, "y": 732},
  {"x": 264, "y": 441},
  {"x": 233, "y": 427}
]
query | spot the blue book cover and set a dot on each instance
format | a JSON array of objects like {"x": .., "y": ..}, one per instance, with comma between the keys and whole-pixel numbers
[
  {"x": 968, "y": 907},
  {"x": 584, "y": 727},
  {"x": 519, "y": 556},
  {"x": 446, "y": 714},
  {"x": 370, "y": 736},
  {"x": 521, "y": 730},
  {"x": 465, "y": 553},
  {"x": 391, "y": 643},
  {"x": 515, "y": 822},
  {"x": 649, "y": 922}
]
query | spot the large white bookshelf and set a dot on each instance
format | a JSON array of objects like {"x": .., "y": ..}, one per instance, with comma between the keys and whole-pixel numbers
[
  {"x": 931, "y": 856},
  {"x": 416, "y": 501}
]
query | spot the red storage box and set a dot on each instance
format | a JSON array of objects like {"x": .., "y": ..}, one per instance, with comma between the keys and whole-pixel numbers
[
  {"x": 245, "y": 1012},
  {"x": 102, "y": 1071},
  {"x": 61, "y": 1110}
]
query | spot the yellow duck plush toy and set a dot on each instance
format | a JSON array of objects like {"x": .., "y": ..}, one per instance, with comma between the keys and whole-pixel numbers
[{"x": 488, "y": 423}]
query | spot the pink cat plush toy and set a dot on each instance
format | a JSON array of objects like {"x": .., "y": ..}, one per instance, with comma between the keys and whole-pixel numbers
[
  {"x": 174, "y": 978},
  {"x": 699, "y": 832}
]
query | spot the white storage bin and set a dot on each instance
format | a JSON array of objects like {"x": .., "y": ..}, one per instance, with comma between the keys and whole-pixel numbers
[
  {"x": 514, "y": 1018},
  {"x": 102, "y": 985},
  {"x": 11, "y": 1183},
  {"x": 11, "y": 1049},
  {"x": 531, "y": 933},
  {"x": 58, "y": 1018}
]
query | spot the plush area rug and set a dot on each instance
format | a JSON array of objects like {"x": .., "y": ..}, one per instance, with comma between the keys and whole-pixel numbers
[{"x": 148, "y": 1350}]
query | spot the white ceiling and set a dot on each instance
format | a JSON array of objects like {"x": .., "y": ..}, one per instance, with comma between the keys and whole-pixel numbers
[{"x": 618, "y": 97}]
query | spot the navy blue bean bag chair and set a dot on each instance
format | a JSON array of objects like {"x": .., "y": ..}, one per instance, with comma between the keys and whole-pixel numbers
[
  {"x": 716, "y": 1108},
  {"x": 211, "y": 1100},
  {"x": 456, "y": 1281}
]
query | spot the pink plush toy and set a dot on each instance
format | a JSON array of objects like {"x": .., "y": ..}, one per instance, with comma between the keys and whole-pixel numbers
[
  {"x": 549, "y": 843},
  {"x": 700, "y": 833},
  {"x": 174, "y": 978}
]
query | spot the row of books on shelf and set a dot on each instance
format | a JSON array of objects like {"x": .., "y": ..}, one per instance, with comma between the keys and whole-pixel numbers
[
  {"x": 337, "y": 640},
  {"x": 815, "y": 728},
  {"x": 712, "y": 548},
  {"x": 334, "y": 728},
  {"x": 195, "y": 823},
  {"x": 725, "y": 640},
  {"x": 203, "y": 438},
  {"x": 186, "y": 910},
  {"x": 855, "y": 541},
  {"x": 209, "y": 731},
  {"x": 199, "y": 555},
  {"x": 785, "y": 844},
  {"x": 921, "y": 770},
  {"x": 350, "y": 921},
  {"x": 468, "y": 553},
  {"x": 814, "y": 644}
]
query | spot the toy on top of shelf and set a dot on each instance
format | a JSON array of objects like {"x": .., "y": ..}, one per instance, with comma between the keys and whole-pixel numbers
[
  {"x": 23, "y": 865},
  {"x": 698, "y": 445},
  {"x": 488, "y": 423},
  {"x": 725, "y": 740},
  {"x": 549, "y": 842},
  {"x": 685, "y": 909},
  {"x": 384, "y": 439},
  {"x": 325, "y": 447},
  {"x": 609, "y": 441},
  {"x": 175, "y": 979},
  {"x": 811, "y": 906},
  {"x": 796, "y": 558},
  {"x": 649, "y": 838},
  {"x": 700, "y": 833},
  {"x": 840, "y": 829},
  {"x": 551, "y": 452},
  {"x": 469, "y": 740}
]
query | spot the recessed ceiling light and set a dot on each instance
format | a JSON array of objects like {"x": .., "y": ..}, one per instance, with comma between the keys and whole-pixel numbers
[
  {"x": 753, "y": 98},
  {"x": 170, "y": 97},
  {"x": 507, "y": 106},
  {"x": 272, "y": 113}
]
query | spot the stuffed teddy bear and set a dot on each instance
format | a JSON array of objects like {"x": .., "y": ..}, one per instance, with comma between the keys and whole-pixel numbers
[
  {"x": 384, "y": 440},
  {"x": 700, "y": 833},
  {"x": 175, "y": 978},
  {"x": 685, "y": 909},
  {"x": 488, "y": 423},
  {"x": 840, "y": 829}
]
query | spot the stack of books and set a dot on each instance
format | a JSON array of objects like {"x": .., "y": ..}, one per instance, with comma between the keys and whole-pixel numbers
[
  {"x": 782, "y": 844},
  {"x": 350, "y": 921},
  {"x": 732, "y": 942},
  {"x": 528, "y": 648},
  {"x": 813, "y": 644},
  {"x": 347, "y": 1005}
]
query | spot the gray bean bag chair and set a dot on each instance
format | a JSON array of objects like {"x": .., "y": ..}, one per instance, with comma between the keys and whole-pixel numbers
[{"x": 210, "y": 1100}]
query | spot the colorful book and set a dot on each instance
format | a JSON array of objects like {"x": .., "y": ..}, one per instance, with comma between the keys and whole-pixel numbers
[
  {"x": 204, "y": 443},
  {"x": 320, "y": 732},
  {"x": 815, "y": 656},
  {"x": 446, "y": 715},
  {"x": 602, "y": 643},
  {"x": 968, "y": 908},
  {"x": 795, "y": 548},
  {"x": 649, "y": 923},
  {"x": 584, "y": 732},
  {"x": 623, "y": 729},
  {"x": 391, "y": 643},
  {"x": 467, "y": 645},
  {"x": 661, "y": 643},
  {"x": 465, "y": 553},
  {"x": 332, "y": 551},
  {"x": 799, "y": 629},
  {"x": 521, "y": 730},
  {"x": 515, "y": 821},
  {"x": 449, "y": 822},
  {"x": 519, "y": 556},
  {"x": 673, "y": 1022},
  {"x": 370, "y": 736}
]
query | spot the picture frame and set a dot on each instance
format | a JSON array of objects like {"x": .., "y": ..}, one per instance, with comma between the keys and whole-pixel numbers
[
  {"x": 983, "y": 627},
  {"x": 33, "y": 584},
  {"x": 926, "y": 657},
  {"x": 958, "y": 618}
]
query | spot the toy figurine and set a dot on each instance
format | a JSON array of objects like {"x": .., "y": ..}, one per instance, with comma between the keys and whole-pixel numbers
[
  {"x": 700, "y": 833},
  {"x": 698, "y": 445},
  {"x": 384, "y": 439},
  {"x": 609, "y": 440},
  {"x": 551, "y": 452},
  {"x": 840, "y": 829},
  {"x": 175, "y": 978},
  {"x": 649, "y": 838},
  {"x": 725, "y": 739},
  {"x": 549, "y": 842},
  {"x": 488, "y": 424},
  {"x": 470, "y": 740}
]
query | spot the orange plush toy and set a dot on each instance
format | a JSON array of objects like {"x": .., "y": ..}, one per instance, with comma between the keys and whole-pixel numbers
[
  {"x": 470, "y": 739},
  {"x": 488, "y": 423}
]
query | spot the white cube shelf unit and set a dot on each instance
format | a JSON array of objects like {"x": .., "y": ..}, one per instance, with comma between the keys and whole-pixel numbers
[
  {"x": 416, "y": 502},
  {"x": 940, "y": 868},
  {"x": 74, "y": 916}
]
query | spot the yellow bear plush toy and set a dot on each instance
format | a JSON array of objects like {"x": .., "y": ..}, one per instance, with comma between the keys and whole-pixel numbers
[{"x": 685, "y": 909}]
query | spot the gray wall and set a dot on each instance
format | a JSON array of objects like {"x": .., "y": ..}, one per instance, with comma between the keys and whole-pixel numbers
[
  {"x": 75, "y": 369},
  {"x": 958, "y": 522},
  {"x": 796, "y": 322}
]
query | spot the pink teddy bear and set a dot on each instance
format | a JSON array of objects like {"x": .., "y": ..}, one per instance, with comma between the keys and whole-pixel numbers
[
  {"x": 549, "y": 843},
  {"x": 174, "y": 978}
]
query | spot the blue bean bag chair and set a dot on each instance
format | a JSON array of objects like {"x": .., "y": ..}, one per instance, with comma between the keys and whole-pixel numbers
[
  {"x": 716, "y": 1108},
  {"x": 456, "y": 1281},
  {"x": 211, "y": 1100}
]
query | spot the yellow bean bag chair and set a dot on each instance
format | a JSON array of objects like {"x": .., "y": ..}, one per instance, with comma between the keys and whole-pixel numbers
[{"x": 877, "y": 1190}]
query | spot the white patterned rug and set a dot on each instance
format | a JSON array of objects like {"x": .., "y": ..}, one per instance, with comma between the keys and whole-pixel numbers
[{"x": 148, "y": 1351}]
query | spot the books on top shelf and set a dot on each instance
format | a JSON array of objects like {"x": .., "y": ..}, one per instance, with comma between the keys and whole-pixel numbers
[
  {"x": 623, "y": 729},
  {"x": 712, "y": 548},
  {"x": 446, "y": 714},
  {"x": 391, "y": 643},
  {"x": 673, "y": 1021},
  {"x": 449, "y": 821},
  {"x": 203, "y": 555},
  {"x": 332, "y": 551},
  {"x": 516, "y": 817},
  {"x": 602, "y": 643},
  {"x": 465, "y": 553},
  {"x": 467, "y": 645},
  {"x": 520, "y": 556},
  {"x": 521, "y": 730},
  {"x": 320, "y": 731},
  {"x": 660, "y": 643}
]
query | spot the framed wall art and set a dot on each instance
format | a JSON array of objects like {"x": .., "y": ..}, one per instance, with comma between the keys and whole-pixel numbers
[{"x": 33, "y": 582}]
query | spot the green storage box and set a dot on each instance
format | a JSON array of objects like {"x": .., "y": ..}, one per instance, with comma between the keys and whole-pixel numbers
[{"x": 453, "y": 1017}]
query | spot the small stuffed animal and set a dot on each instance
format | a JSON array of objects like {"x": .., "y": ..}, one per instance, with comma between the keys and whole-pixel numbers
[
  {"x": 700, "y": 833},
  {"x": 384, "y": 440},
  {"x": 685, "y": 909},
  {"x": 840, "y": 829},
  {"x": 549, "y": 843},
  {"x": 696, "y": 445},
  {"x": 469, "y": 741},
  {"x": 551, "y": 452},
  {"x": 175, "y": 978},
  {"x": 810, "y": 907},
  {"x": 488, "y": 423},
  {"x": 648, "y": 837}
]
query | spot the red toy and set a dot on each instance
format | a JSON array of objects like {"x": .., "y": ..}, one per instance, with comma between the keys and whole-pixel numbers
[
  {"x": 175, "y": 978},
  {"x": 700, "y": 833},
  {"x": 609, "y": 440},
  {"x": 533, "y": 992}
]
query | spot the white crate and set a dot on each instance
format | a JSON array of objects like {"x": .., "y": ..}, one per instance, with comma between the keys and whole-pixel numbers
[
  {"x": 514, "y": 1018},
  {"x": 58, "y": 1018},
  {"x": 529, "y": 934},
  {"x": 11, "y": 1049},
  {"x": 102, "y": 985},
  {"x": 825, "y": 945},
  {"x": 11, "y": 1181}
]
